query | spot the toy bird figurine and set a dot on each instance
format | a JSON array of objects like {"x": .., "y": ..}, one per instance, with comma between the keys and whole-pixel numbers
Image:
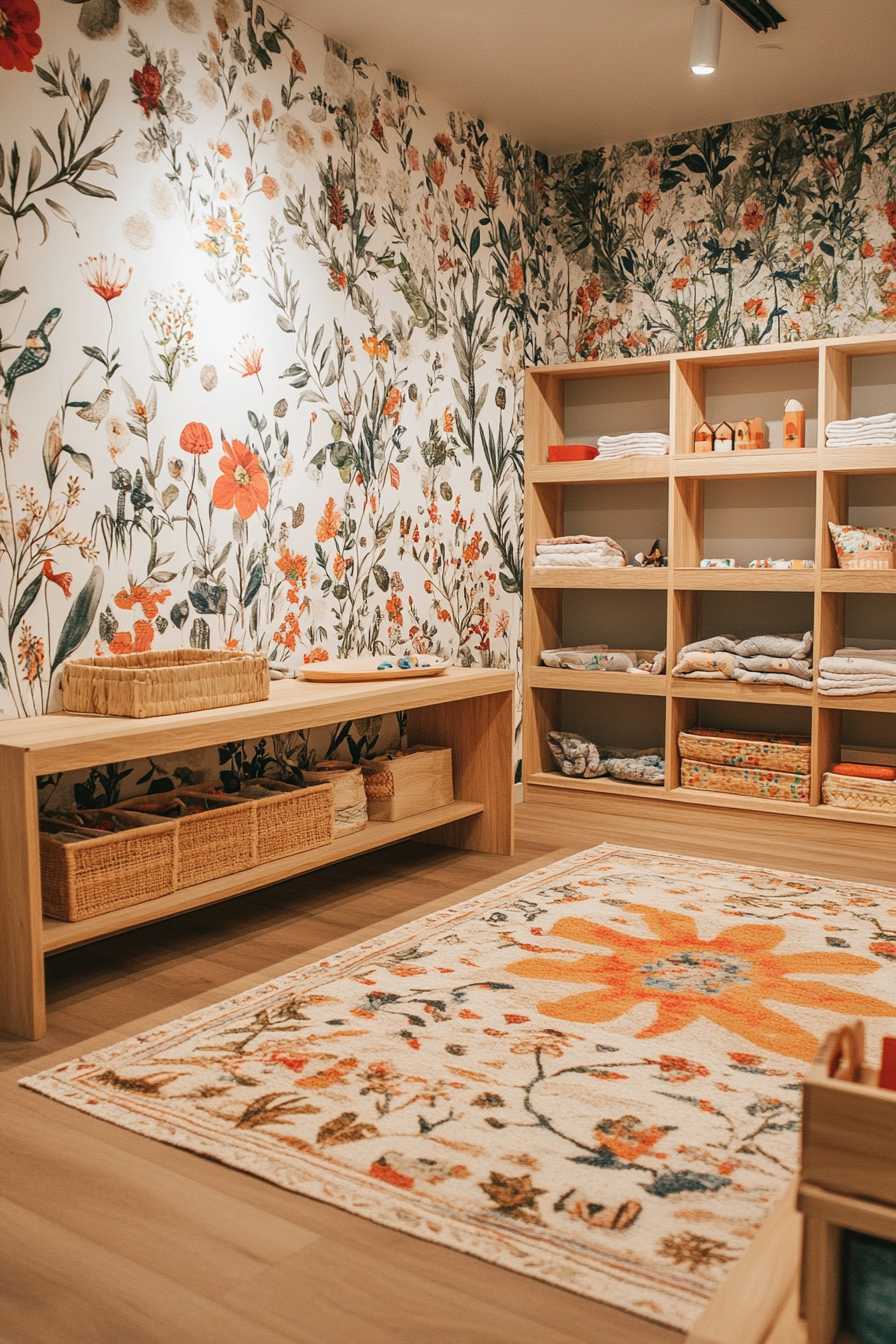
[
  {"x": 96, "y": 411},
  {"x": 35, "y": 352}
]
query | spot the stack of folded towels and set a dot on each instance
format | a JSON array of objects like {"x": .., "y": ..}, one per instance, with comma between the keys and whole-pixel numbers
[
  {"x": 579, "y": 552},
  {"x": 779, "y": 660},
  {"x": 864, "y": 430},
  {"x": 633, "y": 445},
  {"x": 858, "y": 672}
]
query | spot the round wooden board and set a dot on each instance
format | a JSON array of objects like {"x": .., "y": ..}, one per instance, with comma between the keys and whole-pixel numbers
[{"x": 366, "y": 669}]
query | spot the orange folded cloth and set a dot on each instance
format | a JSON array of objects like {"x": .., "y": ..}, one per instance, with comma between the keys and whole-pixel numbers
[{"x": 858, "y": 771}]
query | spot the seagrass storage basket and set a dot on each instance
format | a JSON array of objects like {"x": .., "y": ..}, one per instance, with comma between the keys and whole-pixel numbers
[
  {"x": 288, "y": 818},
  {"x": 767, "y": 751},
  {"x": 86, "y": 871},
  {"x": 862, "y": 795},
  {"x": 171, "y": 681},
  {"x": 748, "y": 783},
  {"x": 215, "y": 836},
  {"x": 403, "y": 783},
  {"x": 349, "y": 797}
]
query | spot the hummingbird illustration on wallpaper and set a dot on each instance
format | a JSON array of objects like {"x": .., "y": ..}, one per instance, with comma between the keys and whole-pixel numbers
[{"x": 34, "y": 353}]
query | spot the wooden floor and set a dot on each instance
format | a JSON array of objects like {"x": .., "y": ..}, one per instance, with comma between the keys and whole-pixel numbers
[{"x": 111, "y": 1238}]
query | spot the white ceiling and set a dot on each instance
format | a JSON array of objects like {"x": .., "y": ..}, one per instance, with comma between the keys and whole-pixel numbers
[{"x": 563, "y": 75}]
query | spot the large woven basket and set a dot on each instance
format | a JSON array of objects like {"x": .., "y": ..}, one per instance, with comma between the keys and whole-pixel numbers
[
  {"x": 748, "y": 783},
  {"x": 766, "y": 751},
  {"x": 98, "y": 870},
  {"x": 863, "y": 795},
  {"x": 171, "y": 681},
  {"x": 868, "y": 560},
  {"x": 349, "y": 795},
  {"x": 211, "y": 843},
  {"x": 288, "y": 818}
]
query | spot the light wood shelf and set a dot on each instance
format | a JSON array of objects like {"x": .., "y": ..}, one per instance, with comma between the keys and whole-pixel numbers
[
  {"x": 738, "y": 692},
  {"x": 470, "y": 710},
  {"x": 631, "y": 576},
  {"x": 612, "y": 683},
  {"x": 762, "y": 462},
  {"x": 59, "y": 935},
  {"x": 744, "y": 580},
  {"x": 858, "y": 580},
  {"x": 690, "y": 476}
]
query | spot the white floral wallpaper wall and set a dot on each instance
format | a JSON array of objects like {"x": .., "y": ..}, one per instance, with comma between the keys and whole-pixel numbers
[{"x": 264, "y": 316}]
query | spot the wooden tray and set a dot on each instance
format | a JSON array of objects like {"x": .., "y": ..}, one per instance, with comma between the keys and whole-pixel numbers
[{"x": 367, "y": 669}]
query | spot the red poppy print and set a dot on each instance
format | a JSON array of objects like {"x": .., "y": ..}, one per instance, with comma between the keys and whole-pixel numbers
[{"x": 19, "y": 39}]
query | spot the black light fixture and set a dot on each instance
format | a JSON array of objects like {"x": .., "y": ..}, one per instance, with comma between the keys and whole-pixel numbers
[{"x": 758, "y": 14}]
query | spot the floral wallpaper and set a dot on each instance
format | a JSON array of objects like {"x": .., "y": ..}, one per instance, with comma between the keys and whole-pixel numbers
[
  {"x": 265, "y": 311},
  {"x": 778, "y": 229}
]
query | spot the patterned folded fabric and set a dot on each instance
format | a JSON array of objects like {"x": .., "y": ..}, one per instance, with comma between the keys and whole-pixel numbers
[{"x": 771, "y": 679}]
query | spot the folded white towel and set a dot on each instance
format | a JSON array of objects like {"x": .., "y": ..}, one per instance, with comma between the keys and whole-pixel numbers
[
  {"x": 879, "y": 655},
  {"x": 864, "y": 422},
  {"x": 581, "y": 548},
  {"x": 594, "y": 560},
  {"x": 615, "y": 440},
  {"x": 853, "y": 667},
  {"x": 857, "y": 686}
]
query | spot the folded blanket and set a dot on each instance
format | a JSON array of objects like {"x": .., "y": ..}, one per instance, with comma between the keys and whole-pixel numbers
[
  {"x": 876, "y": 655},
  {"x": 860, "y": 666},
  {"x": 794, "y": 667},
  {"x": 577, "y": 547},
  {"x": 592, "y": 560},
  {"x": 771, "y": 679},
  {"x": 857, "y": 686},
  {"x": 775, "y": 646}
]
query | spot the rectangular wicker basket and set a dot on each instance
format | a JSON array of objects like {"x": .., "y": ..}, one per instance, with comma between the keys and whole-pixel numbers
[
  {"x": 748, "y": 783},
  {"x": 98, "y": 870},
  {"x": 403, "y": 783},
  {"x": 766, "y": 751},
  {"x": 863, "y": 795},
  {"x": 288, "y": 818},
  {"x": 219, "y": 839},
  {"x": 171, "y": 681}
]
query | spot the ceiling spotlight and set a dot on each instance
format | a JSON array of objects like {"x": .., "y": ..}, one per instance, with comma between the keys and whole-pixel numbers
[{"x": 706, "y": 37}]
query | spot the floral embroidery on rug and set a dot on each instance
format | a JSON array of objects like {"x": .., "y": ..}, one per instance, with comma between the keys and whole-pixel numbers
[{"x": 624, "y": 1141}]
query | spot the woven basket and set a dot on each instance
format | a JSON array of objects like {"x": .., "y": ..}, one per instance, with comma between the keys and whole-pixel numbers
[
  {"x": 288, "y": 818},
  {"x": 868, "y": 560},
  {"x": 220, "y": 839},
  {"x": 172, "y": 681},
  {"x": 748, "y": 783},
  {"x": 766, "y": 751},
  {"x": 403, "y": 783},
  {"x": 101, "y": 871},
  {"x": 863, "y": 795},
  {"x": 349, "y": 796}
]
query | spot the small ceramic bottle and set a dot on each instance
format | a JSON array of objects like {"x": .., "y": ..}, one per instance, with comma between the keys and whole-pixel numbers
[{"x": 794, "y": 424}]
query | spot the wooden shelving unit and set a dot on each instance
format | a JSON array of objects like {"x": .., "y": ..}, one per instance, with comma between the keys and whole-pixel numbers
[{"x": 825, "y": 368}]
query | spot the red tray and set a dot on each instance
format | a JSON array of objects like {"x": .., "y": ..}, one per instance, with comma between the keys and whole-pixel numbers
[{"x": 571, "y": 452}]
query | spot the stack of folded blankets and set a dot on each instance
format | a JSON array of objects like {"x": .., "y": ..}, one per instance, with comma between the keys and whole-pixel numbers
[
  {"x": 864, "y": 431},
  {"x": 633, "y": 445},
  {"x": 601, "y": 658},
  {"x": 777, "y": 660},
  {"x": 858, "y": 672},
  {"x": 579, "y": 552}
]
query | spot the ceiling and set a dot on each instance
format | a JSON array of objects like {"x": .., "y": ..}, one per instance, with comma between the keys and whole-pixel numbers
[{"x": 563, "y": 75}]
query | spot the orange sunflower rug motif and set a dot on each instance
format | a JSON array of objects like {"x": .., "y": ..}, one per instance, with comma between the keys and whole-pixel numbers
[{"x": 590, "y": 1075}]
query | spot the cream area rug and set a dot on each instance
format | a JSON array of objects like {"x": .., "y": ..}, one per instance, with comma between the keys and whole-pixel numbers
[{"x": 590, "y": 1075}]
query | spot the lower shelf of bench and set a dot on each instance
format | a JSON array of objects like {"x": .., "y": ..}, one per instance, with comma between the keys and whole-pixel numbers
[{"x": 59, "y": 935}]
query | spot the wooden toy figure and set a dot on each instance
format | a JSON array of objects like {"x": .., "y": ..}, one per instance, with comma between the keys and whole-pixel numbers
[
  {"x": 742, "y": 435},
  {"x": 758, "y": 437},
  {"x": 703, "y": 438},
  {"x": 794, "y": 424},
  {"x": 723, "y": 438}
]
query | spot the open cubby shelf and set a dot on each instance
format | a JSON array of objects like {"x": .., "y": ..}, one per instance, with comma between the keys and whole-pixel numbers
[{"x": 781, "y": 502}]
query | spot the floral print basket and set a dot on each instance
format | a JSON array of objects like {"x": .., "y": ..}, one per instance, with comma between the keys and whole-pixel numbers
[
  {"x": 750, "y": 783},
  {"x": 768, "y": 751}
]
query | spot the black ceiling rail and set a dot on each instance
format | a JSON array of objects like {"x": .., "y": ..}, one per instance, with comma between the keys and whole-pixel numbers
[{"x": 758, "y": 14}]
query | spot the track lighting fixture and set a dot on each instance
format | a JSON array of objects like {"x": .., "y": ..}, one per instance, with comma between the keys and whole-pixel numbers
[{"x": 706, "y": 37}]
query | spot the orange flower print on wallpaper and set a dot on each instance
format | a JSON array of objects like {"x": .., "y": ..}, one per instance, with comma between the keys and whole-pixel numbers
[
  {"x": 729, "y": 979},
  {"x": 242, "y": 484}
]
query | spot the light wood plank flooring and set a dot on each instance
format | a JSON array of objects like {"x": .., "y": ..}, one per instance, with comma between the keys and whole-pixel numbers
[{"x": 111, "y": 1238}]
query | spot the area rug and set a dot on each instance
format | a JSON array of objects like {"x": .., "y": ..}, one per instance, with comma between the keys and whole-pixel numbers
[{"x": 590, "y": 1075}]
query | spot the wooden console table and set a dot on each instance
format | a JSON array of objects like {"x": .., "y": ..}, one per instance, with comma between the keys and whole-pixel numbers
[{"x": 467, "y": 709}]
